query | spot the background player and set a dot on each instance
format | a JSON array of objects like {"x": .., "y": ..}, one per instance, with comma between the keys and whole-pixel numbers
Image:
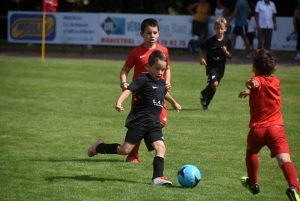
[
  {"x": 266, "y": 124},
  {"x": 217, "y": 48},
  {"x": 138, "y": 59},
  {"x": 143, "y": 119}
]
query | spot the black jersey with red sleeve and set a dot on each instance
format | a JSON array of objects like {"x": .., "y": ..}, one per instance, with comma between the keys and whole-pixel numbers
[
  {"x": 150, "y": 96},
  {"x": 215, "y": 56}
]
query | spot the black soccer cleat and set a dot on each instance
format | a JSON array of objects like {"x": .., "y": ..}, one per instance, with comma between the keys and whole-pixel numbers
[{"x": 246, "y": 183}]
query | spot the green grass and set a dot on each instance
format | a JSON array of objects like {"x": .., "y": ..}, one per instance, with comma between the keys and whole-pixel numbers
[{"x": 52, "y": 111}]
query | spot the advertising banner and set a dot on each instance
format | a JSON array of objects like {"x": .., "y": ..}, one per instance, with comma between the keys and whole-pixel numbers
[
  {"x": 123, "y": 29},
  {"x": 61, "y": 28}
]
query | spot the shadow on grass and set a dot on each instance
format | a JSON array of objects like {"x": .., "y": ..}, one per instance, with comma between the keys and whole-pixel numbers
[
  {"x": 79, "y": 160},
  {"x": 89, "y": 178}
]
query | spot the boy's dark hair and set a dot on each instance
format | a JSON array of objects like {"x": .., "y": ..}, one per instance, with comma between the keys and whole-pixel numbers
[
  {"x": 264, "y": 61},
  {"x": 149, "y": 22},
  {"x": 155, "y": 56}
]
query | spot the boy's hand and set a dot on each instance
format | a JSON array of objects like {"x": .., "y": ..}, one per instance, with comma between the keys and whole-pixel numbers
[
  {"x": 168, "y": 86},
  {"x": 244, "y": 93},
  {"x": 119, "y": 107},
  {"x": 176, "y": 106},
  {"x": 252, "y": 84},
  {"x": 224, "y": 49},
  {"x": 203, "y": 62},
  {"x": 124, "y": 86}
]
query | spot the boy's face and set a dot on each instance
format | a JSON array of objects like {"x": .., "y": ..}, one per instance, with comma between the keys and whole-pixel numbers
[
  {"x": 157, "y": 70},
  {"x": 150, "y": 34},
  {"x": 220, "y": 29}
]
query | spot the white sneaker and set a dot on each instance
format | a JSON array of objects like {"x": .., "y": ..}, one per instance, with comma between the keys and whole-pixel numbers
[{"x": 161, "y": 181}]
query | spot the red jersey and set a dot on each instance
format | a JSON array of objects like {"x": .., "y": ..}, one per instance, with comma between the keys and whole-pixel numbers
[
  {"x": 265, "y": 102},
  {"x": 138, "y": 58}
]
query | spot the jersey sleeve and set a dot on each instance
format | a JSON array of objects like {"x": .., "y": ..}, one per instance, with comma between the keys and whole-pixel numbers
[
  {"x": 204, "y": 45},
  {"x": 130, "y": 61},
  {"x": 137, "y": 84}
]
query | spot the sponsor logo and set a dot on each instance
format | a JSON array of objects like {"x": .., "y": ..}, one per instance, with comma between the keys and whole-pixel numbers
[
  {"x": 30, "y": 27},
  {"x": 142, "y": 56},
  {"x": 114, "y": 26},
  {"x": 158, "y": 103},
  {"x": 154, "y": 87}
]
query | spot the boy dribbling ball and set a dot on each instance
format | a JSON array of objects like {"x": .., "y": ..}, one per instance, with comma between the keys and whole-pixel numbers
[{"x": 143, "y": 119}]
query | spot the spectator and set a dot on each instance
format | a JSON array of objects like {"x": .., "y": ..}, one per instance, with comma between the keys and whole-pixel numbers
[
  {"x": 201, "y": 12},
  {"x": 223, "y": 12},
  {"x": 296, "y": 22},
  {"x": 241, "y": 13},
  {"x": 265, "y": 23},
  {"x": 251, "y": 34}
]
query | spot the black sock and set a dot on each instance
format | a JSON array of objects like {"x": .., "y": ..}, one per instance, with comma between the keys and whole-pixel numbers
[
  {"x": 107, "y": 148},
  {"x": 210, "y": 97},
  {"x": 208, "y": 90},
  {"x": 158, "y": 167}
]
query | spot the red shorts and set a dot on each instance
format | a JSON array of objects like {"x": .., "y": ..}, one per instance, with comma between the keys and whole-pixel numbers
[
  {"x": 273, "y": 137},
  {"x": 163, "y": 117}
]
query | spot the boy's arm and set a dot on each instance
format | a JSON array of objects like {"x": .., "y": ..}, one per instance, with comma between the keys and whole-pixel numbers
[
  {"x": 244, "y": 93},
  {"x": 123, "y": 77},
  {"x": 168, "y": 78},
  {"x": 252, "y": 84},
  {"x": 121, "y": 98},
  {"x": 171, "y": 100},
  {"x": 202, "y": 60}
]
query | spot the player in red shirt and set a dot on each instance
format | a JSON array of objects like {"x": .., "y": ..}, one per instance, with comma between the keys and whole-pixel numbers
[
  {"x": 138, "y": 59},
  {"x": 266, "y": 124}
]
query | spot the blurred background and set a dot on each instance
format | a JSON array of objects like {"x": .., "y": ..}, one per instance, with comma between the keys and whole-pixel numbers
[{"x": 172, "y": 7}]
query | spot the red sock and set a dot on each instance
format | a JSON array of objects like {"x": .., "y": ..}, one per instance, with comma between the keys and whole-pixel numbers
[
  {"x": 252, "y": 164},
  {"x": 290, "y": 174},
  {"x": 135, "y": 151}
]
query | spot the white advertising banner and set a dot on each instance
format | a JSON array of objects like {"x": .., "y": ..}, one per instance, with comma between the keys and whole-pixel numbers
[
  {"x": 61, "y": 28},
  {"x": 122, "y": 29}
]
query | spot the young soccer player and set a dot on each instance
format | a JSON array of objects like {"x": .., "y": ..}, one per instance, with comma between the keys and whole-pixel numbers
[
  {"x": 143, "y": 119},
  {"x": 138, "y": 59},
  {"x": 217, "y": 49},
  {"x": 266, "y": 124}
]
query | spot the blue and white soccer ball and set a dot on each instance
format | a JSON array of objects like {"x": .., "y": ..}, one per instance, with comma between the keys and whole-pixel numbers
[{"x": 189, "y": 176}]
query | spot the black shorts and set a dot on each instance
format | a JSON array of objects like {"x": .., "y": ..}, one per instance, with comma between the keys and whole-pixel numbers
[
  {"x": 199, "y": 28},
  {"x": 212, "y": 77},
  {"x": 134, "y": 135},
  {"x": 240, "y": 31}
]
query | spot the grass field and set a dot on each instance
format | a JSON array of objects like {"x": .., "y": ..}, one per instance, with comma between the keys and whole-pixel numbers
[{"x": 52, "y": 111}]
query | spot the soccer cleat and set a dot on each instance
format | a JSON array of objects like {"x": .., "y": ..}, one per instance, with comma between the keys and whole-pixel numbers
[
  {"x": 92, "y": 150},
  {"x": 161, "y": 181},
  {"x": 133, "y": 159},
  {"x": 205, "y": 107},
  {"x": 292, "y": 194},
  {"x": 203, "y": 100},
  {"x": 246, "y": 183}
]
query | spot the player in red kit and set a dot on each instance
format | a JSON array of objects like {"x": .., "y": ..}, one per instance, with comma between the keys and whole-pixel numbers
[
  {"x": 138, "y": 59},
  {"x": 266, "y": 124}
]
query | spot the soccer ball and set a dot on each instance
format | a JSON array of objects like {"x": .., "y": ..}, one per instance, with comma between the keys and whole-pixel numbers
[{"x": 189, "y": 176}]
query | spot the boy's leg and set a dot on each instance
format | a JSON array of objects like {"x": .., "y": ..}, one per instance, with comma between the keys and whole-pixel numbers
[
  {"x": 154, "y": 141},
  {"x": 208, "y": 93},
  {"x": 158, "y": 164},
  {"x": 133, "y": 155},
  {"x": 101, "y": 147},
  {"x": 163, "y": 118}
]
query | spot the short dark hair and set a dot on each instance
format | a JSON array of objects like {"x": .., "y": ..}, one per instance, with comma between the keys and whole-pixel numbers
[
  {"x": 155, "y": 56},
  {"x": 264, "y": 61},
  {"x": 149, "y": 22}
]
